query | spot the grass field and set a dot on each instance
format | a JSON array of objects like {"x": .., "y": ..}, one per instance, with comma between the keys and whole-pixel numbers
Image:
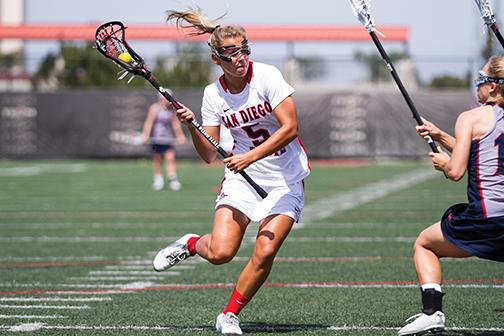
[{"x": 77, "y": 239}]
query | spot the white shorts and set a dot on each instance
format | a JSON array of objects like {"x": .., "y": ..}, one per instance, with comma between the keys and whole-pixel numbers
[{"x": 284, "y": 200}]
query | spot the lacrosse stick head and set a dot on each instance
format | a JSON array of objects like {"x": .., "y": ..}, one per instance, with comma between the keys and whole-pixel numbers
[
  {"x": 486, "y": 11},
  {"x": 362, "y": 9},
  {"x": 110, "y": 40}
]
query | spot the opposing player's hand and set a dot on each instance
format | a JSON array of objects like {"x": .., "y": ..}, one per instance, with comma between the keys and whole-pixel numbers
[
  {"x": 237, "y": 163},
  {"x": 427, "y": 129},
  {"x": 185, "y": 115},
  {"x": 439, "y": 160}
]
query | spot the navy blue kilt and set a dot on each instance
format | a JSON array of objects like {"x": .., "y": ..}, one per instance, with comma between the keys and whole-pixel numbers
[
  {"x": 481, "y": 237},
  {"x": 160, "y": 148}
]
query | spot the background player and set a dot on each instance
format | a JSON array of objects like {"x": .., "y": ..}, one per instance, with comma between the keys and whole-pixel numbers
[{"x": 160, "y": 129}]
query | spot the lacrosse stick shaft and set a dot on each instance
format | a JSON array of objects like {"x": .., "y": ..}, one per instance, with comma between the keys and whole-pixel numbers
[
  {"x": 497, "y": 33},
  {"x": 207, "y": 136},
  {"x": 405, "y": 94}
]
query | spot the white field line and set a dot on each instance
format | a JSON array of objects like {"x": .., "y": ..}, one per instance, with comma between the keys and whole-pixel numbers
[
  {"x": 46, "y": 239},
  {"x": 125, "y": 259},
  {"x": 169, "y": 273},
  {"x": 350, "y": 240},
  {"x": 245, "y": 327},
  {"x": 148, "y": 266},
  {"x": 147, "y": 239},
  {"x": 54, "y": 299},
  {"x": 148, "y": 262},
  {"x": 329, "y": 206},
  {"x": 44, "y": 168},
  {"x": 115, "y": 278},
  {"x": 142, "y": 285},
  {"x": 25, "y": 327},
  {"x": 43, "y": 307},
  {"x": 31, "y": 316},
  {"x": 94, "y": 225}
]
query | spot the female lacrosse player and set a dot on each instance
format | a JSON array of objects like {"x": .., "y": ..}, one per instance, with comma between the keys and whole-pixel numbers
[
  {"x": 470, "y": 229},
  {"x": 254, "y": 102},
  {"x": 159, "y": 129}
]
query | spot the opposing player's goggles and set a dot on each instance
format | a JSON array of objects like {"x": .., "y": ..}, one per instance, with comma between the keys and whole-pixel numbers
[
  {"x": 228, "y": 53},
  {"x": 484, "y": 78}
]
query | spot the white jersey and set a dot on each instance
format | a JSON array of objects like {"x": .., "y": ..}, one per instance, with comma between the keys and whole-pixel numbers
[{"x": 249, "y": 117}]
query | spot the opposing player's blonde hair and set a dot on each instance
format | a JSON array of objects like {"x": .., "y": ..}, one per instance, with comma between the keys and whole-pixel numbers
[
  {"x": 202, "y": 25},
  {"x": 496, "y": 69}
]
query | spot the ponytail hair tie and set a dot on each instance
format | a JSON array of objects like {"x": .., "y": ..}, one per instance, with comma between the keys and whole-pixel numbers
[{"x": 215, "y": 28}]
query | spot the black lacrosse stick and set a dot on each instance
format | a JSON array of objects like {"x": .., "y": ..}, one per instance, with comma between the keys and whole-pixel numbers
[{"x": 111, "y": 43}]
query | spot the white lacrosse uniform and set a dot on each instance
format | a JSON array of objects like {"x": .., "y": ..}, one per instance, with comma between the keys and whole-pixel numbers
[{"x": 249, "y": 117}]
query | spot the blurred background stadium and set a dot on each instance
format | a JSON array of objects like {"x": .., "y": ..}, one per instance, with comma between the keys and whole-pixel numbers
[{"x": 60, "y": 99}]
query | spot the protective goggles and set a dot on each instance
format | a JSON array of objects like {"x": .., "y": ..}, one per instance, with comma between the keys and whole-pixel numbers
[
  {"x": 227, "y": 53},
  {"x": 484, "y": 78}
]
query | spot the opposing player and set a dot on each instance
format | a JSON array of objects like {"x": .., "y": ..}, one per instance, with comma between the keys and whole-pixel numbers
[
  {"x": 254, "y": 102},
  {"x": 470, "y": 229},
  {"x": 161, "y": 129}
]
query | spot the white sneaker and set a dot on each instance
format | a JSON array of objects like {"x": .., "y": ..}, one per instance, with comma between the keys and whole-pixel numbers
[
  {"x": 175, "y": 185},
  {"x": 228, "y": 324},
  {"x": 158, "y": 183},
  {"x": 423, "y": 323},
  {"x": 172, "y": 254}
]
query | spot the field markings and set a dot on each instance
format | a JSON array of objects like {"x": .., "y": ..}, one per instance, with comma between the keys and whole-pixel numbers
[
  {"x": 87, "y": 239},
  {"x": 116, "y": 278},
  {"x": 55, "y": 299},
  {"x": 42, "y": 307},
  {"x": 245, "y": 327},
  {"x": 31, "y": 316},
  {"x": 339, "y": 202},
  {"x": 43, "y": 168},
  {"x": 148, "y": 286}
]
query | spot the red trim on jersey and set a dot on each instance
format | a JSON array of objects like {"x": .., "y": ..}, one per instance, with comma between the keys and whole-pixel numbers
[
  {"x": 483, "y": 207},
  {"x": 223, "y": 83},
  {"x": 248, "y": 77},
  {"x": 249, "y": 72},
  {"x": 304, "y": 150}
]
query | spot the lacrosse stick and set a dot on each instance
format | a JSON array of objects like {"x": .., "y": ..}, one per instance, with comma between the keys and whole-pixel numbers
[
  {"x": 489, "y": 18},
  {"x": 111, "y": 42},
  {"x": 362, "y": 9}
]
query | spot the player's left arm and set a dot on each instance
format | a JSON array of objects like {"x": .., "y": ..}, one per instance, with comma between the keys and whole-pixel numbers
[
  {"x": 286, "y": 114},
  {"x": 455, "y": 166}
]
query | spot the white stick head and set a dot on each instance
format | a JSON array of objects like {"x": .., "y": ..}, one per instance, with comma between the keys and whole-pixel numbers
[
  {"x": 486, "y": 11},
  {"x": 362, "y": 9}
]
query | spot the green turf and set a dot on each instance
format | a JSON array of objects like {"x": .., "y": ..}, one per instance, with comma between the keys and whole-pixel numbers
[{"x": 60, "y": 221}]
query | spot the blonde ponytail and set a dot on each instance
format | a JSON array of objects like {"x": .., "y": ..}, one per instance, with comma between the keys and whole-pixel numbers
[{"x": 202, "y": 25}]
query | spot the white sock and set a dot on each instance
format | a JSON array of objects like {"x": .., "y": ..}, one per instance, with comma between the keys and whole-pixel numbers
[
  {"x": 172, "y": 177},
  {"x": 158, "y": 178},
  {"x": 431, "y": 285}
]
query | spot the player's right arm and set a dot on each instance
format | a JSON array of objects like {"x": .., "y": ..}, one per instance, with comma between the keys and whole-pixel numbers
[
  {"x": 437, "y": 134},
  {"x": 149, "y": 121},
  {"x": 204, "y": 148}
]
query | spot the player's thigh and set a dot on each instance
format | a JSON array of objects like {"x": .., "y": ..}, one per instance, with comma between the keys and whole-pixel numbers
[
  {"x": 272, "y": 232},
  {"x": 228, "y": 228},
  {"x": 433, "y": 239}
]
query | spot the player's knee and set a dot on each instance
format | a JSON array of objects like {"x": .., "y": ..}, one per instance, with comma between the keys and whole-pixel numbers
[
  {"x": 420, "y": 242},
  {"x": 264, "y": 256},
  {"x": 219, "y": 256}
]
